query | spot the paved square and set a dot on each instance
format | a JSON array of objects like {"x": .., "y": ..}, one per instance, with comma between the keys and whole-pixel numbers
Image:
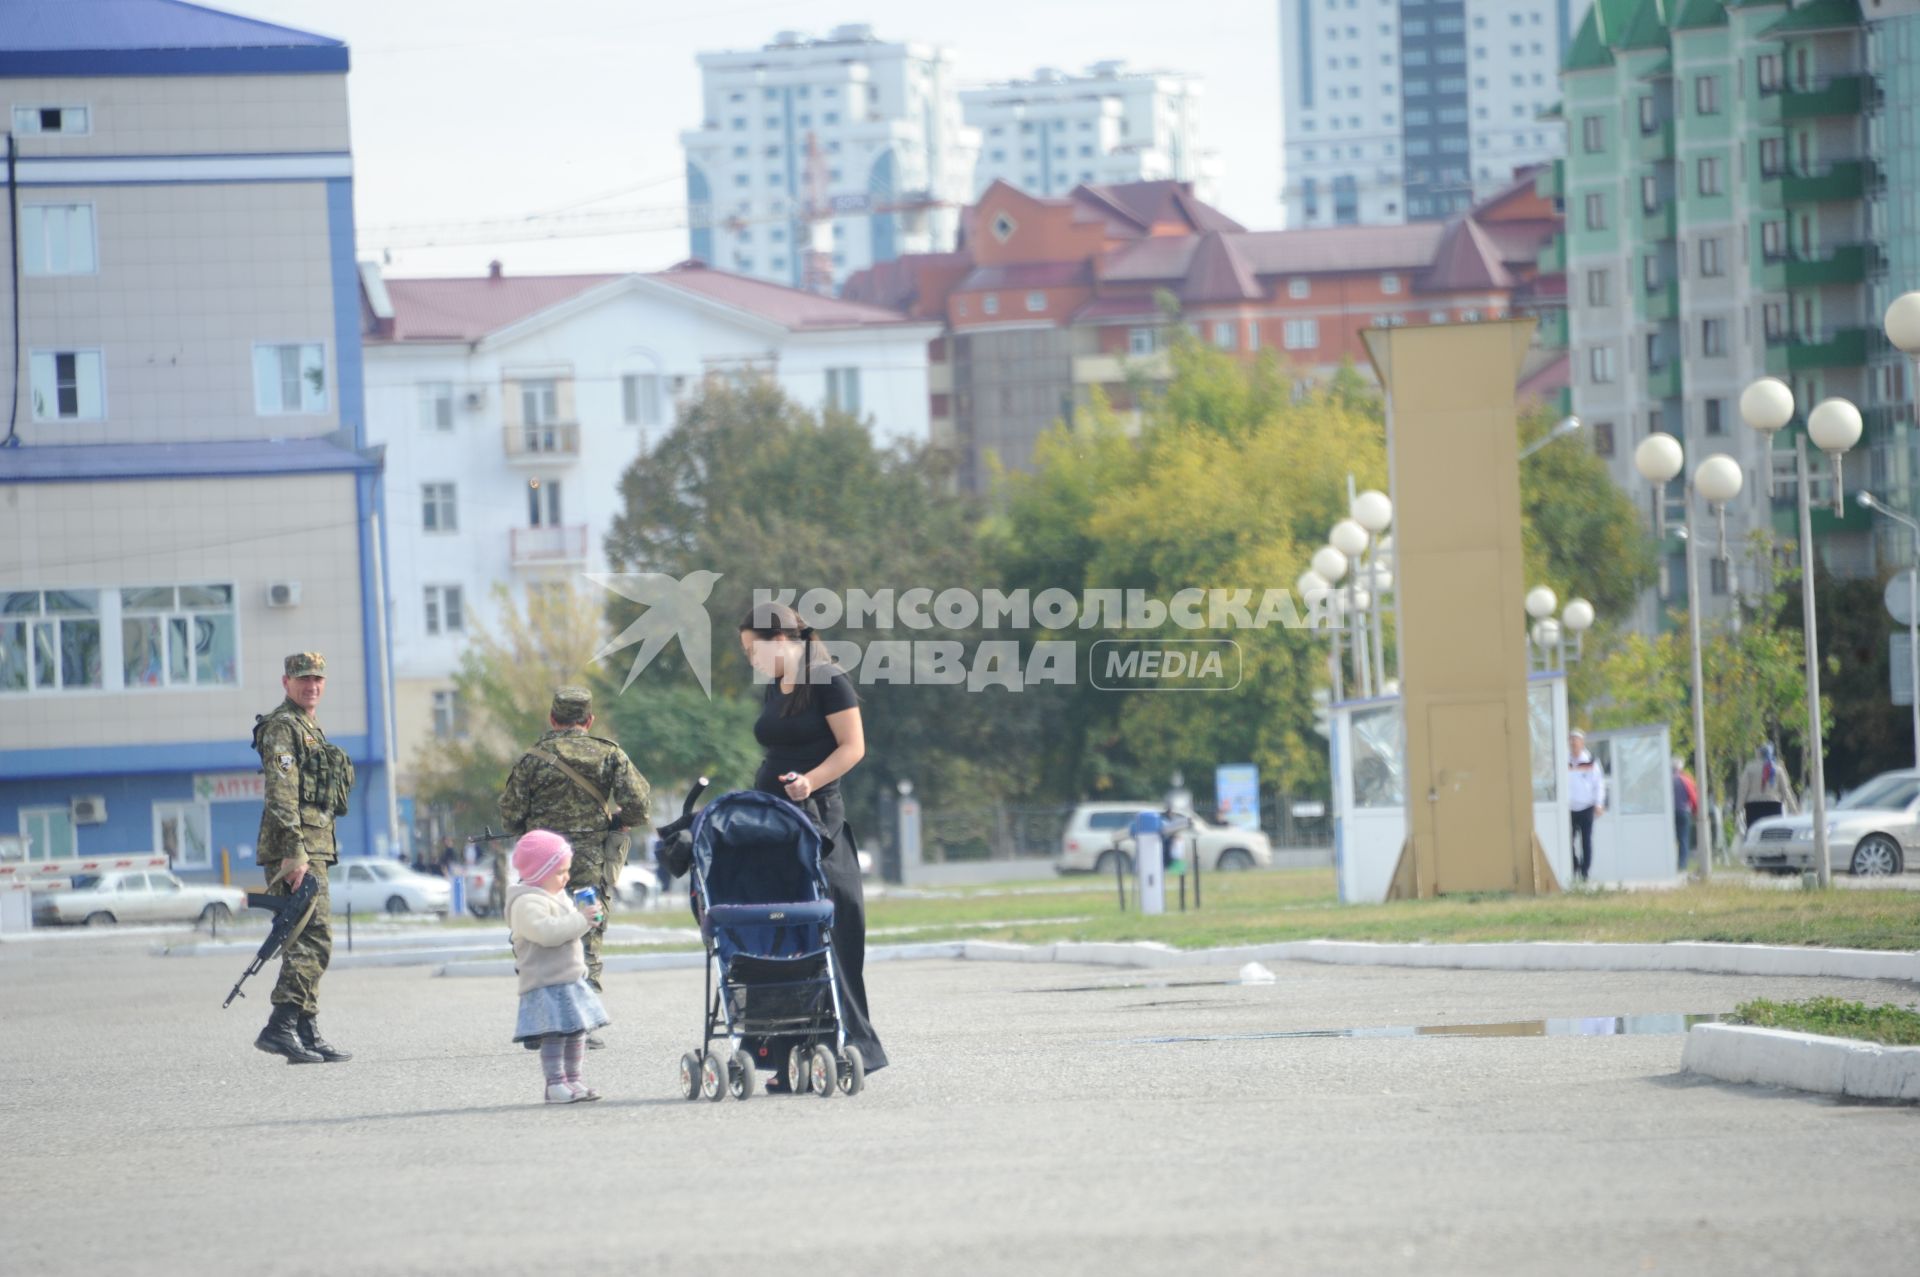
[{"x": 1024, "y": 1128}]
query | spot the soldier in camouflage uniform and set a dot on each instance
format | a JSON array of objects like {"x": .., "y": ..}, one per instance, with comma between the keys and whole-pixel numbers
[
  {"x": 585, "y": 788},
  {"x": 308, "y": 780}
]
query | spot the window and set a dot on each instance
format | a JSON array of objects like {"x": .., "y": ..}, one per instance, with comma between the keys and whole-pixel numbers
[
  {"x": 1301, "y": 334},
  {"x": 539, "y": 402},
  {"x": 1593, "y": 135},
  {"x": 1389, "y": 284},
  {"x": 1773, "y": 240},
  {"x": 184, "y": 832},
  {"x": 289, "y": 379},
  {"x": 436, "y": 405},
  {"x": 1714, "y": 417},
  {"x": 51, "y": 119},
  {"x": 990, "y": 304},
  {"x": 49, "y": 833},
  {"x": 543, "y": 503},
  {"x": 67, "y": 385},
  {"x": 1597, "y": 288},
  {"x": 1707, "y": 176},
  {"x": 1603, "y": 438},
  {"x": 640, "y": 399},
  {"x": 1299, "y": 288},
  {"x": 1143, "y": 341},
  {"x": 449, "y": 714},
  {"x": 1766, "y": 73},
  {"x": 1225, "y": 334},
  {"x": 437, "y": 509},
  {"x": 1710, "y": 256},
  {"x": 444, "y": 610},
  {"x": 1650, "y": 274},
  {"x": 1253, "y": 335},
  {"x": 179, "y": 636},
  {"x": 1713, "y": 336},
  {"x": 843, "y": 389},
  {"x": 1656, "y": 352},
  {"x": 1649, "y": 115},
  {"x": 1706, "y": 95},
  {"x": 57, "y": 239},
  {"x": 1600, "y": 364},
  {"x": 1596, "y": 212},
  {"x": 1773, "y": 320},
  {"x": 1036, "y": 302},
  {"x": 49, "y": 640}
]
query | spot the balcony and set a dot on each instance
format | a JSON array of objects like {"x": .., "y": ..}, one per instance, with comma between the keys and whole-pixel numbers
[
  {"x": 556, "y": 545},
  {"x": 1847, "y": 264},
  {"x": 1841, "y": 95},
  {"x": 1550, "y": 183},
  {"x": 1553, "y": 256},
  {"x": 1552, "y": 333},
  {"x": 1662, "y": 303},
  {"x": 1664, "y": 382},
  {"x": 1655, "y": 144},
  {"x": 542, "y": 443},
  {"x": 1791, "y": 352},
  {"x": 1657, "y": 224},
  {"x": 1845, "y": 181}
]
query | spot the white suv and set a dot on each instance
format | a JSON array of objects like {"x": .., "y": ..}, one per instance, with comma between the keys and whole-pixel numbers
[{"x": 1097, "y": 832}]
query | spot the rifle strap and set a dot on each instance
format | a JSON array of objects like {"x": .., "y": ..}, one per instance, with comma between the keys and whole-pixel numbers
[
  {"x": 586, "y": 786},
  {"x": 293, "y": 932}
]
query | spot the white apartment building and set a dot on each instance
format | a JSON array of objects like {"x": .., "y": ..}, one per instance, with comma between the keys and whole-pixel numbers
[
  {"x": 185, "y": 498},
  {"x": 1411, "y": 110},
  {"x": 510, "y": 406},
  {"x": 1107, "y": 125},
  {"x": 815, "y": 158}
]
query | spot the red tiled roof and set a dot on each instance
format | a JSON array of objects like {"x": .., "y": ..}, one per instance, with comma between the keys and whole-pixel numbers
[
  {"x": 1144, "y": 204},
  {"x": 468, "y": 308},
  {"x": 791, "y": 308},
  {"x": 1219, "y": 273},
  {"x": 1549, "y": 379},
  {"x": 1302, "y": 252},
  {"x": 1465, "y": 261},
  {"x": 1027, "y": 275}
]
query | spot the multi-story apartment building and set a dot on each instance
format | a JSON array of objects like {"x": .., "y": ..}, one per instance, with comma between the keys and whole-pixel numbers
[
  {"x": 510, "y": 406},
  {"x": 1049, "y": 300},
  {"x": 816, "y": 158},
  {"x": 184, "y": 495},
  {"x": 1106, "y": 126},
  {"x": 1414, "y": 110},
  {"x": 1729, "y": 215}
]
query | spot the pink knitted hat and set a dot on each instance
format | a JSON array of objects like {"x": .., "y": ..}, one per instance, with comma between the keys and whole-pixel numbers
[{"x": 539, "y": 853}]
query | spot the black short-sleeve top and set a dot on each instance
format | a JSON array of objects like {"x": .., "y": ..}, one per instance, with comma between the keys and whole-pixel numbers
[{"x": 800, "y": 740}]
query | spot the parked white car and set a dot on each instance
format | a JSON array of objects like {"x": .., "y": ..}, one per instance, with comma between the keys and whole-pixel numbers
[
  {"x": 385, "y": 886},
  {"x": 1871, "y": 832},
  {"x": 148, "y": 895},
  {"x": 1096, "y": 835}
]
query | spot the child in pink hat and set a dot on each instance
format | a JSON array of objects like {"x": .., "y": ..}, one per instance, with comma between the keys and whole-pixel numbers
[{"x": 557, "y": 1007}]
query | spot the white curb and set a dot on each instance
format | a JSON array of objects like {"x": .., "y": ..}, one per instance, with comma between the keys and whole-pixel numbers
[{"x": 1803, "y": 1061}]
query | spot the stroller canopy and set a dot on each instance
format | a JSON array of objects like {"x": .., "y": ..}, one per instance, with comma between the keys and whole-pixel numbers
[{"x": 755, "y": 848}]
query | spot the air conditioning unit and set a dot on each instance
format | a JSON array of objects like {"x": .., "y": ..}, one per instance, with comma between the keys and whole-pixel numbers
[
  {"x": 91, "y": 810},
  {"x": 283, "y": 594},
  {"x": 476, "y": 400}
]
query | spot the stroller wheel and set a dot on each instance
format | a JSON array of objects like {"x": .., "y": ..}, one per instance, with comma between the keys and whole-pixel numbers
[
  {"x": 740, "y": 1075},
  {"x": 713, "y": 1077},
  {"x": 799, "y": 1071},
  {"x": 824, "y": 1074},
  {"x": 689, "y": 1076},
  {"x": 853, "y": 1071}
]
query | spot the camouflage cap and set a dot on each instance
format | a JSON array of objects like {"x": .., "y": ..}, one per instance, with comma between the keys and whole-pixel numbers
[
  {"x": 572, "y": 704},
  {"x": 301, "y": 664}
]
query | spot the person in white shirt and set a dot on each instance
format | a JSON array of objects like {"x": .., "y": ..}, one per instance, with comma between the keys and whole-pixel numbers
[{"x": 1586, "y": 798}]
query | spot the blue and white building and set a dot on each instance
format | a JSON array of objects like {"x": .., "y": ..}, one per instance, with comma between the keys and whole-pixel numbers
[{"x": 185, "y": 491}]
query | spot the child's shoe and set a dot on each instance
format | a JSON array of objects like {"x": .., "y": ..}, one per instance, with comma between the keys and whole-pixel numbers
[
  {"x": 561, "y": 1093},
  {"x": 582, "y": 1093}
]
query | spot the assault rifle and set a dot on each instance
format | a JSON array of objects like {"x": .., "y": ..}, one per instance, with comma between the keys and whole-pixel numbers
[{"x": 289, "y": 914}]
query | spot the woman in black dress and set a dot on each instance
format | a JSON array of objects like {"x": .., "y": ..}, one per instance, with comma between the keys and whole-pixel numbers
[{"x": 810, "y": 728}]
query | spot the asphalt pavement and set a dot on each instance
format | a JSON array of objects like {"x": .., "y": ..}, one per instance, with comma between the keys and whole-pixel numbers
[{"x": 1035, "y": 1121}]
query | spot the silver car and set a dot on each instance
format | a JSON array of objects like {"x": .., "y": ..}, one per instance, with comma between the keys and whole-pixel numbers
[
  {"x": 148, "y": 895},
  {"x": 1873, "y": 831}
]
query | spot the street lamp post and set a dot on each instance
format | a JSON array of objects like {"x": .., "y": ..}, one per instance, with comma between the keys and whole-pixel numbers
[
  {"x": 1868, "y": 500},
  {"x": 1834, "y": 425},
  {"x": 1373, "y": 510},
  {"x": 1659, "y": 458},
  {"x": 1352, "y": 540}
]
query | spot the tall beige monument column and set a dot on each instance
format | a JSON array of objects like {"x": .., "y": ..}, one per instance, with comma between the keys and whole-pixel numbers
[{"x": 1453, "y": 463}]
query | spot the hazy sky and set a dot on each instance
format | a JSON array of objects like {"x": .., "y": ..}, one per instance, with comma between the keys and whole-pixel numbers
[{"x": 470, "y": 110}]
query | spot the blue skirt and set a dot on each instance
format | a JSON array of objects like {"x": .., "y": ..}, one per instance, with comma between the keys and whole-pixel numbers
[{"x": 558, "y": 1008}]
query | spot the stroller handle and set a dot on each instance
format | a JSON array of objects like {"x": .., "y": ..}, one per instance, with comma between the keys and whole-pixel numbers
[{"x": 686, "y": 810}]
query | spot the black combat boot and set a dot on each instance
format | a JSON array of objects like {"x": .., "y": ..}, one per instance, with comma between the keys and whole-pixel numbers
[
  {"x": 279, "y": 1037},
  {"x": 311, "y": 1039}
]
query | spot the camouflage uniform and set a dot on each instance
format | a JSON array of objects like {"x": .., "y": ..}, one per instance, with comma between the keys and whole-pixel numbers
[
  {"x": 308, "y": 780},
  {"x": 540, "y": 795}
]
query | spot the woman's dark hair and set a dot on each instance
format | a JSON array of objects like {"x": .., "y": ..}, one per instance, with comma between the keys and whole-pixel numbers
[{"x": 778, "y": 621}]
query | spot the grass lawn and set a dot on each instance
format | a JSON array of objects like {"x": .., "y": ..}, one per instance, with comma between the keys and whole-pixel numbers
[
  {"x": 1299, "y": 904},
  {"x": 1886, "y": 1023}
]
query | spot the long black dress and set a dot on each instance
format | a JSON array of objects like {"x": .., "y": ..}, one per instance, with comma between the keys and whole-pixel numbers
[{"x": 798, "y": 739}]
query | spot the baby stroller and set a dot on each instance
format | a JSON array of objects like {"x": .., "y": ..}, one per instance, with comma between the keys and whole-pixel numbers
[{"x": 760, "y": 895}]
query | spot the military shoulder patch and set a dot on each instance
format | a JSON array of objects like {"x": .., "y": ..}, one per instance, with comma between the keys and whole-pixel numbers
[{"x": 285, "y": 762}]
